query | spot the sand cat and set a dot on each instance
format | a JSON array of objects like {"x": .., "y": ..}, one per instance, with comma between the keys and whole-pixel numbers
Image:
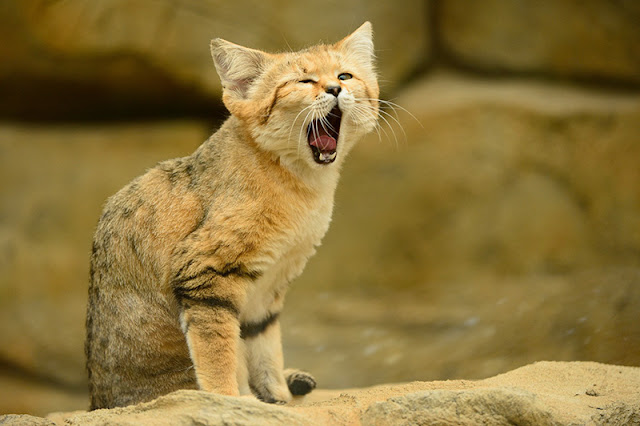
[{"x": 191, "y": 261}]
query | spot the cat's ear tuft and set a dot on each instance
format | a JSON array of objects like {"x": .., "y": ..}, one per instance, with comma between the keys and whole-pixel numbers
[
  {"x": 237, "y": 66},
  {"x": 359, "y": 45}
]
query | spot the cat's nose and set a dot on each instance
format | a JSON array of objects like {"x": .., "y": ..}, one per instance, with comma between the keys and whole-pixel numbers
[{"x": 334, "y": 89}]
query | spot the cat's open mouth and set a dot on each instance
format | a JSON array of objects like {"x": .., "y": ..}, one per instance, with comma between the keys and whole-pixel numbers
[{"x": 322, "y": 135}]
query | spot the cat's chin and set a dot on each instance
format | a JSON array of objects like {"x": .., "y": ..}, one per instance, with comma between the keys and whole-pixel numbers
[{"x": 322, "y": 136}]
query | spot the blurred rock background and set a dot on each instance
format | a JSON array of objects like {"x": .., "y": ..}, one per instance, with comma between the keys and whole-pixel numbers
[{"x": 497, "y": 225}]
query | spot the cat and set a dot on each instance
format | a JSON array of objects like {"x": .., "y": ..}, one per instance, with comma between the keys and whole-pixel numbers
[{"x": 191, "y": 261}]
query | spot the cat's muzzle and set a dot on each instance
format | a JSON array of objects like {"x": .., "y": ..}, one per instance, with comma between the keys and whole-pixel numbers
[{"x": 322, "y": 135}]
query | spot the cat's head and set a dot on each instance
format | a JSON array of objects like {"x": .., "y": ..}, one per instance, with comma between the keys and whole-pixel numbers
[{"x": 305, "y": 108}]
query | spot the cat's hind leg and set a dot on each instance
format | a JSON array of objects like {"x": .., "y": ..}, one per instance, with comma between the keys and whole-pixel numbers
[{"x": 210, "y": 301}]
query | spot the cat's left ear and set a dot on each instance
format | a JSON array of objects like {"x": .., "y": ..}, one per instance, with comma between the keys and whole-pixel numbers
[
  {"x": 237, "y": 66},
  {"x": 359, "y": 45}
]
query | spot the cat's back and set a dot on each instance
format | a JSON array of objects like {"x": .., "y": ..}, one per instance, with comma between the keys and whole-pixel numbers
[
  {"x": 135, "y": 349},
  {"x": 152, "y": 211}
]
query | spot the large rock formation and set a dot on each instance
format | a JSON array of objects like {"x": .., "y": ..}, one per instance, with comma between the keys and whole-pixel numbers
[
  {"x": 589, "y": 40},
  {"x": 144, "y": 58}
]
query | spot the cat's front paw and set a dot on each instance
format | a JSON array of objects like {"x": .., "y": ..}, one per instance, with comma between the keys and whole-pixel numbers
[
  {"x": 299, "y": 382},
  {"x": 278, "y": 395}
]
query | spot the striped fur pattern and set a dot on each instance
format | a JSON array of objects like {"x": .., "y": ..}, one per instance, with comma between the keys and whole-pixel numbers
[{"x": 191, "y": 261}]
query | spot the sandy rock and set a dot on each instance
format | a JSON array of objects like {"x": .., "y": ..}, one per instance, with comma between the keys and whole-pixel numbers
[
  {"x": 544, "y": 393},
  {"x": 568, "y": 38},
  {"x": 472, "y": 407},
  {"x": 579, "y": 392},
  {"x": 190, "y": 407},
  {"x": 24, "y": 420},
  {"x": 557, "y": 393},
  {"x": 122, "y": 58}
]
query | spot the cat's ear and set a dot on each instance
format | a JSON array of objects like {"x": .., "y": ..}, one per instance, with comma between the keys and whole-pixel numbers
[
  {"x": 359, "y": 45},
  {"x": 237, "y": 66}
]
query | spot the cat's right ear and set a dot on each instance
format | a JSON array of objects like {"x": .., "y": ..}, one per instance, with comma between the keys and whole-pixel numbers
[
  {"x": 359, "y": 45},
  {"x": 237, "y": 66}
]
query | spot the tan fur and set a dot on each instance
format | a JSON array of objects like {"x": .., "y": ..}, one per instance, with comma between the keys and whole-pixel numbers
[{"x": 191, "y": 261}]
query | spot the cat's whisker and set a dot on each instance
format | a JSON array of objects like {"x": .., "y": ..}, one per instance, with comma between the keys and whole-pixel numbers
[
  {"x": 326, "y": 125},
  {"x": 393, "y": 106},
  {"x": 313, "y": 126},
  {"x": 365, "y": 111},
  {"x": 363, "y": 118},
  {"x": 390, "y": 128},
  {"x": 394, "y": 119},
  {"x": 316, "y": 131},
  {"x": 293, "y": 123},
  {"x": 385, "y": 116},
  {"x": 303, "y": 127},
  {"x": 298, "y": 142},
  {"x": 360, "y": 115}
]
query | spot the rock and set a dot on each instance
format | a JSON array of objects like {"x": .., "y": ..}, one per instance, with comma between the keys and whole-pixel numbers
[
  {"x": 564, "y": 390},
  {"x": 544, "y": 393},
  {"x": 569, "y": 38},
  {"x": 473, "y": 407},
  {"x": 188, "y": 407},
  {"x": 59, "y": 177},
  {"x": 24, "y": 420},
  {"x": 120, "y": 58}
]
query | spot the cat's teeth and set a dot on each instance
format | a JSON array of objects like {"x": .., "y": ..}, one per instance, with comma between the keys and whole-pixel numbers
[{"x": 328, "y": 157}]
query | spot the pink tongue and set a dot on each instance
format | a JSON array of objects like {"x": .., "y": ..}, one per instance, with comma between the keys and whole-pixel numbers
[{"x": 324, "y": 143}]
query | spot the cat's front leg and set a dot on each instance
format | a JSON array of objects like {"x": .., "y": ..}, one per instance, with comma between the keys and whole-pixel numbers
[
  {"x": 242, "y": 370},
  {"x": 211, "y": 299},
  {"x": 264, "y": 360},
  {"x": 299, "y": 382},
  {"x": 211, "y": 331}
]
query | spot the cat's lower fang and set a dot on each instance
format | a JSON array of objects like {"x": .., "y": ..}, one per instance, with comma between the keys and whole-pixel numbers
[{"x": 328, "y": 156}]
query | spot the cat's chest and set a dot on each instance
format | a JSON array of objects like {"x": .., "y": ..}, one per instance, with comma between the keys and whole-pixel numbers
[{"x": 299, "y": 243}]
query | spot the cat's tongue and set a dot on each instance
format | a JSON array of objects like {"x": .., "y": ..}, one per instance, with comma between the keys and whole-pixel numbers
[
  {"x": 323, "y": 134},
  {"x": 324, "y": 143}
]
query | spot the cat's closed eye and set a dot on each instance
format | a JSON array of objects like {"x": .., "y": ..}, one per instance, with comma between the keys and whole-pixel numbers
[{"x": 308, "y": 80}]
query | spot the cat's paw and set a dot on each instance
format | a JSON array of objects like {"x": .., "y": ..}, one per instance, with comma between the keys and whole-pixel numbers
[
  {"x": 299, "y": 382},
  {"x": 278, "y": 395}
]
